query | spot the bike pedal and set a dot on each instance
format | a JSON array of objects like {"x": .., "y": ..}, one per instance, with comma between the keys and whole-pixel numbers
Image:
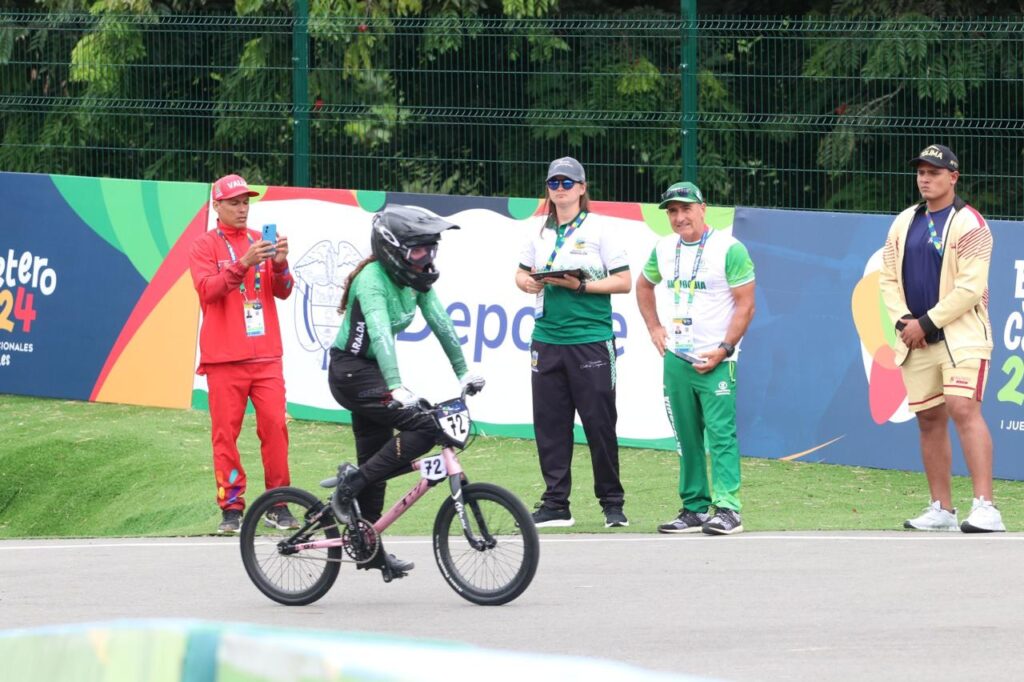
[{"x": 388, "y": 576}]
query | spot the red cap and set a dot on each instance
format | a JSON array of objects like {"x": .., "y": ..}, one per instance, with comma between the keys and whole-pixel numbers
[{"x": 231, "y": 186}]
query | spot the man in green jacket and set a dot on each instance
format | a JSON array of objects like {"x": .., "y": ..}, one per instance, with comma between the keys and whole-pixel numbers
[{"x": 934, "y": 282}]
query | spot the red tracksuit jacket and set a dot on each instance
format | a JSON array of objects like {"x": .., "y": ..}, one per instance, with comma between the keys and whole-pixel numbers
[{"x": 217, "y": 277}]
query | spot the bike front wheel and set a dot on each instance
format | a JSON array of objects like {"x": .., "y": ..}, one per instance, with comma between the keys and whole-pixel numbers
[
  {"x": 502, "y": 564},
  {"x": 276, "y": 566}
]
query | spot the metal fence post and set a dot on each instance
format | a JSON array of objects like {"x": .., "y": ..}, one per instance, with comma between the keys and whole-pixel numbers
[
  {"x": 300, "y": 94},
  {"x": 688, "y": 76}
]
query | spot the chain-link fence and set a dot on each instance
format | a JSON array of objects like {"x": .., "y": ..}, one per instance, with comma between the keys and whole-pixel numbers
[{"x": 788, "y": 113}]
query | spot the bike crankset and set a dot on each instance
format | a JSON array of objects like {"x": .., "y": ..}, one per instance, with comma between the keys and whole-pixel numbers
[{"x": 361, "y": 541}]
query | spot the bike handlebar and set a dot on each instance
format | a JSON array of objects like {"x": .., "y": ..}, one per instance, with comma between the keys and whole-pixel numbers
[{"x": 424, "y": 405}]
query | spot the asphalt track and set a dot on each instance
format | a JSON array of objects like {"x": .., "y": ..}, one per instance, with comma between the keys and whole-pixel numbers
[{"x": 757, "y": 606}]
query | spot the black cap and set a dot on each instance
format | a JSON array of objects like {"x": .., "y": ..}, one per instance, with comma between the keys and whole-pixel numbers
[{"x": 939, "y": 156}]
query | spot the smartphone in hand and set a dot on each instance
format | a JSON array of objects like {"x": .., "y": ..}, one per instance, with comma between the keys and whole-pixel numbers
[
  {"x": 270, "y": 235},
  {"x": 691, "y": 358}
]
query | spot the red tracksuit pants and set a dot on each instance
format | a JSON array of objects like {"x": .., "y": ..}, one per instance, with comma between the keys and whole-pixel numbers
[{"x": 231, "y": 385}]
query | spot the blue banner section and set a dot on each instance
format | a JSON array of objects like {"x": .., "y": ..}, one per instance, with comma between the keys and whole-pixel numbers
[
  {"x": 56, "y": 275},
  {"x": 807, "y": 382}
]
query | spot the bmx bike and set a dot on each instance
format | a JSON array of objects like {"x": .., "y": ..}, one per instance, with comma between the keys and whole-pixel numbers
[{"x": 484, "y": 540}]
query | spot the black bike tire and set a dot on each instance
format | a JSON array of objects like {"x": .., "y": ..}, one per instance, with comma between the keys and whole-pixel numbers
[
  {"x": 447, "y": 564},
  {"x": 254, "y": 516}
]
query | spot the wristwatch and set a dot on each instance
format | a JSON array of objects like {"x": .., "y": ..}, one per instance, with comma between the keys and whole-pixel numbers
[
  {"x": 582, "y": 288},
  {"x": 728, "y": 348}
]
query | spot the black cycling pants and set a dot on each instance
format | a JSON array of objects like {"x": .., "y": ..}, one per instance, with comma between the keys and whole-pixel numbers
[{"x": 358, "y": 386}]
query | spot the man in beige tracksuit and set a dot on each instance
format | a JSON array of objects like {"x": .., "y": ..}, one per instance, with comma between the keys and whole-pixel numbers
[{"x": 934, "y": 281}]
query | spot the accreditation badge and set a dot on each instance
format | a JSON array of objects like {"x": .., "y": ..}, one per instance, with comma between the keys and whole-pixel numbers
[
  {"x": 682, "y": 334},
  {"x": 253, "y": 318},
  {"x": 538, "y": 306}
]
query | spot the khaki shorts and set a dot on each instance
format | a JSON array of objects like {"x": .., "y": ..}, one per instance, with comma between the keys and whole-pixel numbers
[{"x": 929, "y": 376}]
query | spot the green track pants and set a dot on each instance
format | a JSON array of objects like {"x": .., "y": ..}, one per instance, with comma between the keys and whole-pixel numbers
[{"x": 699, "y": 404}]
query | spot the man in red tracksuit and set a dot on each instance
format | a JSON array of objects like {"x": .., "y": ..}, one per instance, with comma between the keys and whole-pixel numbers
[{"x": 237, "y": 275}]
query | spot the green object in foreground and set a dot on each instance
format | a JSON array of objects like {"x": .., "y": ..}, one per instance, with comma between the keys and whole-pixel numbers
[{"x": 78, "y": 469}]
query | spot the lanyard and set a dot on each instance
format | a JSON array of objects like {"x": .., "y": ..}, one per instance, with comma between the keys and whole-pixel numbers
[
  {"x": 231, "y": 254},
  {"x": 936, "y": 242},
  {"x": 692, "y": 285},
  {"x": 561, "y": 239}
]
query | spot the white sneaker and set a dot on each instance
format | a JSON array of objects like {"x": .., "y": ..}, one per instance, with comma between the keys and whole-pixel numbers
[
  {"x": 934, "y": 518},
  {"x": 984, "y": 518}
]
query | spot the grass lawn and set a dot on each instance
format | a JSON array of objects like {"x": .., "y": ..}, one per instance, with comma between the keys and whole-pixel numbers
[{"x": 78, "y": 469}]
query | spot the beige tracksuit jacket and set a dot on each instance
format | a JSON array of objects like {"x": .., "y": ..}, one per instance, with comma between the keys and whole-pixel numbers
[{"x": 962, "y": 310}]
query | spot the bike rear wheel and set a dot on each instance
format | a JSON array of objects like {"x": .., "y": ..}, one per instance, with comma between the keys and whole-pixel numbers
[
  {"x": 291, "y": 577},
  {"x": 504, "y": 568}
]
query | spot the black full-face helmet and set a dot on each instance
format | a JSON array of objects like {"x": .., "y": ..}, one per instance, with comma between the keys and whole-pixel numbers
[{"x": 396, "y": 231}]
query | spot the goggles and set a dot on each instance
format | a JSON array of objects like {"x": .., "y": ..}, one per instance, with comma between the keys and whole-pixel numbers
[{"x": 421, "y": 255}]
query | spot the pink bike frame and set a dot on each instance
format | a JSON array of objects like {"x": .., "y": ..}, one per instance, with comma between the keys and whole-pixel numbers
[{"x": 452, "y": 466}]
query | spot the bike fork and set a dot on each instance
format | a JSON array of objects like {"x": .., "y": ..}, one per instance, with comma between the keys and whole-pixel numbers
[{"x": 479, "y": 544}]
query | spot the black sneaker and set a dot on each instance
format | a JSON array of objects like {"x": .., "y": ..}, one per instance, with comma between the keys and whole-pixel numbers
[
  {"x": 724, "y": 522},
  {"x": 614, "y": 518},
  {"x": 343, "y": 501},
  {"x": 396, "y": 568},
  {"x": 549, "y": 517},
  {"x": 280, "y": 517},
  {"x": 231, "y": 523},
  {"x": 687, "y": 522},
  {"x": 398, "y": 565}
]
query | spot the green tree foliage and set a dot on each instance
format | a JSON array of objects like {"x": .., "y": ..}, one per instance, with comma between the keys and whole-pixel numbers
[
  {"x": 906, "y": 81},
  {"x": 470, "y": 96}
]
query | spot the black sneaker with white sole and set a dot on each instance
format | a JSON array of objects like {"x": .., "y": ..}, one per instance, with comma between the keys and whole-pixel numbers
[
  {"x": 614, "y": 518},
  {"x": 549, "y": 517},
  {"x": 279, "y": 517},
  {"x": 231, "y": 522},
  {"x": 687, "y": 522},
  {"x": 724, "y": 522}
]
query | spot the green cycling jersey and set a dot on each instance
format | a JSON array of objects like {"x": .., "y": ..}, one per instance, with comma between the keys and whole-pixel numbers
[{"x": 378, "y": 309}]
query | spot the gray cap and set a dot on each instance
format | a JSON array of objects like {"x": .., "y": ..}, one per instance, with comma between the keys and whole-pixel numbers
[{"x": 568, "y": 167}]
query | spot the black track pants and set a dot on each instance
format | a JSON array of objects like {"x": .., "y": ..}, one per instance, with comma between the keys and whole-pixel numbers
[{"x": 569, "y": 379}]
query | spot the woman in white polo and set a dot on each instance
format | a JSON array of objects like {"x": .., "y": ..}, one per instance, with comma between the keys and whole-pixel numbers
[{"x": 573, "y": 350}]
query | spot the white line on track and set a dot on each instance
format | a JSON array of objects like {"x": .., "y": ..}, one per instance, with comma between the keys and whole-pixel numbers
[
  {"x": 754, "y": 537},
  {"x": 750, "y": 537}
]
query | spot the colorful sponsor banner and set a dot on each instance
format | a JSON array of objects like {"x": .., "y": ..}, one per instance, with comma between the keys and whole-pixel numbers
[
  {"x": 328, "y": 237},
  {"x": 96, "y": 303},
  {"x": 818, "y": 380}
]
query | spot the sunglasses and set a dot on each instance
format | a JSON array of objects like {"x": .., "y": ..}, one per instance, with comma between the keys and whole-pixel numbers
[
  {"x": 684, "y": 193},
  {"x": 564, "y": 183}
]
